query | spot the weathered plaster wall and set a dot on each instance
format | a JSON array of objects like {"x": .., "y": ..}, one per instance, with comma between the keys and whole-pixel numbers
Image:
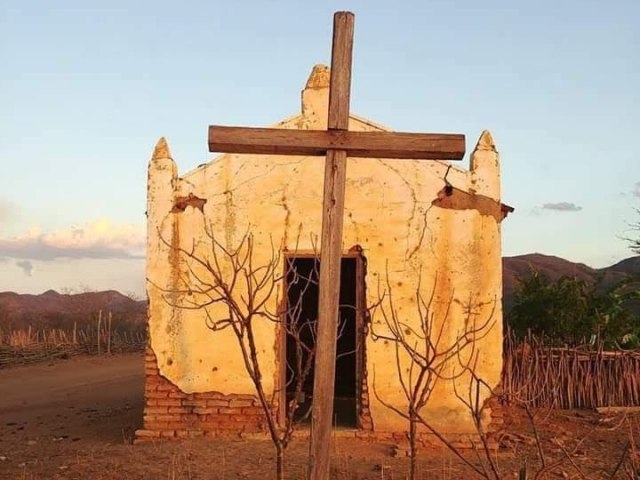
[{"x": 403, "y": 213}]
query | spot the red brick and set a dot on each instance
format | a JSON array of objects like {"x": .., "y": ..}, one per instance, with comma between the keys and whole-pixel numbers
[
  {"x": 165, "y": 418},
  {"x": 155, "y": 410},
  {"x": 197, "y": 403},
  {"x": 166, "y": 387},
  {"x": 206, "y": 411},
  {"x": 228, "y": 411},
  {"x": 179, "y": 394},
  {"x": 252, "y": 411},
  {"x": 242, "y": 396},
  {"x": 179, "y": 410},
  {"x": 239, "y": 403},
  {"x": 156, "y": 394},
  {"x": 172, "y": 414},
  {"x": 210, "y": 426},
  {"x": 211, "y": 395},
  {"x": 156, "y": 425},
  {"x": 227, "y": 426},
  {"x": 175, "y": 427}
]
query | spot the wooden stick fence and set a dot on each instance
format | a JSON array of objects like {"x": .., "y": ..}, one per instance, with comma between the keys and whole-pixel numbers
[
  {"x": 32, "y": 346},
  {"x": 570, "y": 378}
]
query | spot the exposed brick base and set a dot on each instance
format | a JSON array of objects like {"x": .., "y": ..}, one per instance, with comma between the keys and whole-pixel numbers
[{"x": 170, "y": 413}]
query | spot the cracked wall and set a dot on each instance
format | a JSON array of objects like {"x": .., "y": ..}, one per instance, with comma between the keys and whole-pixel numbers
[{"x": 397, "y": 210}]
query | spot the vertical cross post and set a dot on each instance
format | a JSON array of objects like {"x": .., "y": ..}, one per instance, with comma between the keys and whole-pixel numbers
[
  {"x": 331, "y": 250},
  {"x": 337, "y": 142}
]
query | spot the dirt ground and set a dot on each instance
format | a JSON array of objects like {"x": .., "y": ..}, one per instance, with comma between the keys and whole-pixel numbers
[{"x": 75, "y": 419}]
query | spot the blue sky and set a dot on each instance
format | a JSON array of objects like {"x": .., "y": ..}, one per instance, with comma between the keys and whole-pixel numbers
[{"x": 88, "y": 87}]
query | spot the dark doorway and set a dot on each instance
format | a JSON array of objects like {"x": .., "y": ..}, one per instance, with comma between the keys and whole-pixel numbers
[{"x": 302, "y": 290}]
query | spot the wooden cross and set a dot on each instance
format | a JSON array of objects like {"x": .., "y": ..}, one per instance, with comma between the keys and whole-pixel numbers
[{"x": 337, "y": 142}]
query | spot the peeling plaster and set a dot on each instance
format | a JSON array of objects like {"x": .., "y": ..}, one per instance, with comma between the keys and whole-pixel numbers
[
  {"x": 190, "y": 200},
  {"x": 390, "y": 215},
  {"x": 455, "y": 199}
]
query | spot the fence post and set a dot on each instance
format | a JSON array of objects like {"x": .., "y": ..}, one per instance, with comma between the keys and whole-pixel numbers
[
  {"x": 99, "y": 322},
  {"x": 109, "y": 337}
]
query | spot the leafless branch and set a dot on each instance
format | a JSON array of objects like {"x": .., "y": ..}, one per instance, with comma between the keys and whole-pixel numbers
[
  {"x": 420, "y": 341},
  {"x": 229, "y": 279}
]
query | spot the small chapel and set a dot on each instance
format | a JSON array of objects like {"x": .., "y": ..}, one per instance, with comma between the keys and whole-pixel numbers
[{"x": 424, "y": 233}]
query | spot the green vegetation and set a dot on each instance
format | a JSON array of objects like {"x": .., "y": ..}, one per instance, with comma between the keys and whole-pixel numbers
[{"x": 572, "y": 312}]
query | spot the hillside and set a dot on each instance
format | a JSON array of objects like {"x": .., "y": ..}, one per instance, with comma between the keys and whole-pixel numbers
[
  {"x": 54, "y": 309},
  {"x": 554, "y": 267}
]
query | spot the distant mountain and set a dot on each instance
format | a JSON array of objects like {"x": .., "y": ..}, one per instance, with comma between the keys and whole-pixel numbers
[
  {"x": 56, "y": 309},
  {"x": 522, "y": 266}
]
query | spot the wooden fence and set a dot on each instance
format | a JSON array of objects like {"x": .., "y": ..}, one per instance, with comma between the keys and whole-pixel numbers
[
  {"x": 570, "y": 377},
  {"x": 31, "y": 346}
]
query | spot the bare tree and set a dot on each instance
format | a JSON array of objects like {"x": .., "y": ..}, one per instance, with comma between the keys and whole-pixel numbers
[
  {"x": 424, "y": 358},
  {"x": 423, "y": 342},
  {"x": 235, "y": 291},
  {"x": 431, "y": 359},
  {"x": 477, "y": 389}
]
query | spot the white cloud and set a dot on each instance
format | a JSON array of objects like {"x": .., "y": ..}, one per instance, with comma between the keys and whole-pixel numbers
[{"x": 99, "y": 239}]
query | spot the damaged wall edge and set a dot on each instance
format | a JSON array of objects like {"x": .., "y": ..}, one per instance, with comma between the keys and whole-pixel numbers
[{"x": 453, "y": 198}]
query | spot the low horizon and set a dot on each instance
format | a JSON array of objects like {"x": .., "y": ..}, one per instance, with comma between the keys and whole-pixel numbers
[{"x": 142, "y": 295}]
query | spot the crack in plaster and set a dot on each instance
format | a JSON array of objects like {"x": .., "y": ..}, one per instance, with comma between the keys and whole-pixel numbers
[
  {"x": 414, "y": 199},
  {"x": 256, "y": 177},
  {"x": 425, "y": 228},
  {"x": 287, "y": 216},
  {"x": 188, "y": 182}
]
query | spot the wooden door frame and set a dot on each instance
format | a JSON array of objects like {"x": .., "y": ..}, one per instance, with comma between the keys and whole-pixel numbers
[{"x": 356, "y": 253}]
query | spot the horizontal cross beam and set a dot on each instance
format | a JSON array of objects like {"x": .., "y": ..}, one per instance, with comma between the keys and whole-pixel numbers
[{"x": 278, "y": 141}]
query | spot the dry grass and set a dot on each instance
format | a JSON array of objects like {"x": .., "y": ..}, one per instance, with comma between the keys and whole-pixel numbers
[
  {"x": 19, "y": 347},
  {"x": 600, "y": 441}
]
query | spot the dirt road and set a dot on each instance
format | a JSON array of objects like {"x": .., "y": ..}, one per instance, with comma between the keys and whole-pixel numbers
[
  {"x": 74, "y": 420},
  {"x": 83, "y": 398}
]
